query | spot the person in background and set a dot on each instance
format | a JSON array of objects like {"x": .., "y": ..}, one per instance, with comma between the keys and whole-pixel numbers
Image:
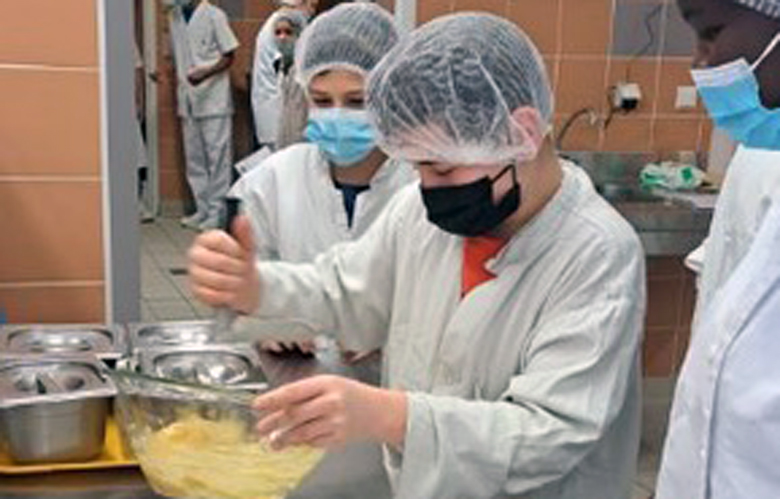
[
  {"x": 724, "y": 430},
  {"x": 294, "y": 103},
  {"x": 265, "y": 93},
  {"x": 204, "y": 47},
  {"x": 507, "y": 295},
  {"x": 309, "y": 197},
  {"x": 142, "y": 175}
]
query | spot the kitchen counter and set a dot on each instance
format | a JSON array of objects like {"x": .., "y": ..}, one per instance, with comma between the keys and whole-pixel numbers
[
  {"x": 355, "y": 472},
  {"x": 666, "y": 227}
]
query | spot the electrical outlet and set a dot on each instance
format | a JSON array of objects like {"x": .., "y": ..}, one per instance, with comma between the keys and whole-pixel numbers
[
  {"x": 626, "y": 96},
  {"x": 687, "y": 98}
]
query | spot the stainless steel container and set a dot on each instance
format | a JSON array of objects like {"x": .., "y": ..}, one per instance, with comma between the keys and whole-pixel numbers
[
  {"x": 174, "y": 333},
  {"x": 108, "y": 343},
  {"x": 234, "y": 365},
  {"x": 53, "y": 408}
]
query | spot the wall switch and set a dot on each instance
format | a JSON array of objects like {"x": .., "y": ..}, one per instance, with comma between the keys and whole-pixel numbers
[{"x": 687, "y": 98}]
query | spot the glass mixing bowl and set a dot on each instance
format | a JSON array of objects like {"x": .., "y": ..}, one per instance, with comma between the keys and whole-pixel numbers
[{"x": 198, "y": 442}]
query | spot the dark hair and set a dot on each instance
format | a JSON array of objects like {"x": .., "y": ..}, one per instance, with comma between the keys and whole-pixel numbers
[{"x": 325, "y": 5}]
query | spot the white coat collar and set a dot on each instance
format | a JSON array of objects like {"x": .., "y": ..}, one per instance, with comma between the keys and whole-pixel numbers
[{"x": 536, "y": 236}]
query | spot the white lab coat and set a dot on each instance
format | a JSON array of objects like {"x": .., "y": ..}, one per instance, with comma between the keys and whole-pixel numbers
[
  {"x": 266, "y": 94},
  {"x": 201, "y": 42},
  {"x": 724, "y": 431},
  {"x": 751, "y": 187},
  {"x": 296, "y": 211},
  {"x": 527, "y": 387}
]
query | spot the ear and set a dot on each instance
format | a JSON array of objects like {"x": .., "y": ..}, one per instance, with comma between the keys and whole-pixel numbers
[{"x": 531, "y": 121}]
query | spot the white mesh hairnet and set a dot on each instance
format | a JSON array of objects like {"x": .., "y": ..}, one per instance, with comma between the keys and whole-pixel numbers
[
  {"x": 446, "y": 94},
  {"x": 351, "y": 36},
  {"x": 769, "y": 8},
  {"x": 295, "y": 17}
]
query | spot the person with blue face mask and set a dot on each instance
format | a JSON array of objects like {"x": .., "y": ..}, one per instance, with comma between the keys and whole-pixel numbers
[
  {"x": 724, "y": 430},
  {"x": 310, "y": 196},
  {"x": 506, "y": 295}
]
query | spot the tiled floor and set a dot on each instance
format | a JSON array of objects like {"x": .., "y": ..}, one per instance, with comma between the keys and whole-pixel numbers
[
  {"x": 165, "y": 296},
  {"x": 164, "y": 291}
]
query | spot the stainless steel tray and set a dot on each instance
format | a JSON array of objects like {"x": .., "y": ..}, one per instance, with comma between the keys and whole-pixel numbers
[
  {"x": 174, "y": 333},
  {"x": 35, "y": 379},
  {"x": 106, "y": 342},
  {"x": 233, "y": 365}
]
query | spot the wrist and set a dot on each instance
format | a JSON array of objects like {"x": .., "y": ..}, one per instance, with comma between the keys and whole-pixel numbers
[{"x": 390, "y": 409}]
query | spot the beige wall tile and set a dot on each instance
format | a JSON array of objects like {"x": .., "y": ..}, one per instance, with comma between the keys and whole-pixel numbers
[
  {"x": 67, "y": 304},
  {"x": 52, "y": 231},
  {"x": 49, "y": 122},
  {"x": 52, "y": 32}
]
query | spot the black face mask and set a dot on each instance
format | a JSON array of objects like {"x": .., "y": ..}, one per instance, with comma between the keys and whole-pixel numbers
[{"x": 468, "y": 210}]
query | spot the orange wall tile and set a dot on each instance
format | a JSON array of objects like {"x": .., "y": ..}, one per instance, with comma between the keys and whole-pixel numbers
[
  {"x": 429, "y": 9},
  {"x": 581, "y": 83},
  {"x": 675, "y": 73},
  {"x": 497, "y": 7},
  {"x": 540, "y": 21},
  {"x": 645, "y": 73},
  {"x": 61, "y": 304},
  {"x": 51, "y": 261},
  {"x": 54, "y": 233},
  {"x": 672, "y": 135},
  {"x": 627, "y": 134},
  {"x": 51, "y": 122},
  {"x": 586, "y": 26},
  {"x": 60, "y": 33}
]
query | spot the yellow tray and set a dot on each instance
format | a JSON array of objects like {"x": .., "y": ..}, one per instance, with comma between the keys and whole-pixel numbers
[{"x": 113, "y": 456}]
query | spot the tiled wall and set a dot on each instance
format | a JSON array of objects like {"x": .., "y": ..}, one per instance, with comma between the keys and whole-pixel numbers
[
  {"x": 589, "y": 45},
  {"x": 671, "y": 290},
  {"x": 51, "y": 254}
]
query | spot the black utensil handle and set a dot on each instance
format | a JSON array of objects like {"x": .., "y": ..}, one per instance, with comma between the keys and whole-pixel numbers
[{"x": 232, "y": 209}]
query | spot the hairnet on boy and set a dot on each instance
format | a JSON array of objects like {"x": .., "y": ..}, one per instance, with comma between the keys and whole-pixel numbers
[
  {"x": 447, "y": 93},
  {"x": 769, "y": 8},
  {"x": 351, "y": 36}
]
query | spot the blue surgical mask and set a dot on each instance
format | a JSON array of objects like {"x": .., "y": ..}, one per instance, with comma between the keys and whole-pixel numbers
[
  {"x": 345, "y": 136},
  {"x": 732, "y": 95}
]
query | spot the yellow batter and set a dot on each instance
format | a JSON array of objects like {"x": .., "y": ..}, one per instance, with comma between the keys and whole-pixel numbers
[{"x": 195, "y": 458}]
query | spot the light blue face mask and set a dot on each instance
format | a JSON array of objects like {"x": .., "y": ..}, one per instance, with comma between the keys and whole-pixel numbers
[
  {"x": 345, "y": 136},
  {"x": 732, "y": 96}
]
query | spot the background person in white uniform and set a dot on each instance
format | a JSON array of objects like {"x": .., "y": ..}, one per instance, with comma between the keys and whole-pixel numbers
[
  {"x": 265, "y": 93},
  {"x": 724, "y": 437},
  {"x": 729, "y": 30},
  {"x": 204, "y": 47},
  {"x": 507, "y": 295}
]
